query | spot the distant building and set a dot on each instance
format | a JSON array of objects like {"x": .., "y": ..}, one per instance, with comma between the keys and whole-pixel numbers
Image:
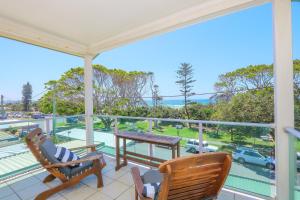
[{"x": 3, "y": 114}]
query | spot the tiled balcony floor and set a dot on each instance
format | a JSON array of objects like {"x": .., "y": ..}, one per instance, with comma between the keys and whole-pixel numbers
[{"x": 117, "y": 186}]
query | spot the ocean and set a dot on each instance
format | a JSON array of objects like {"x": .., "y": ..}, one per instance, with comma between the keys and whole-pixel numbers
[{"x": 178, "y": 103}]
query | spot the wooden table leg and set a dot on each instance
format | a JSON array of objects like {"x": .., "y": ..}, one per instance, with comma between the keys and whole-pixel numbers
[
  {"x": 117, "y": 154},
  {"x": 178, "y": 150},
  {"x": 124, "y": 152},
  {"x": 173, "y": 152}
]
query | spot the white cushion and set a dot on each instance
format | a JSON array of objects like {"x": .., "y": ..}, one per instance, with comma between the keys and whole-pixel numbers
[{"x": 65, "y": 155}]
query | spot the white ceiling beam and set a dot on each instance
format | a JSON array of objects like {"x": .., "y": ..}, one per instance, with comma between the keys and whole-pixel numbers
[
  {"x": 205, "y": 10},
  {"x": 27, "y": 34},
  {"x": 196, "y": 14}
]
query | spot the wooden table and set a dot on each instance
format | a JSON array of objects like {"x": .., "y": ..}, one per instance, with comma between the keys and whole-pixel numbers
[{"x": 165, "y": 141}]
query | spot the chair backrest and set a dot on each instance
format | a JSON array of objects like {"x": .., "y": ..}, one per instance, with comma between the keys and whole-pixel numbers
[
  {"x": 199, "y": 176},
  {"x": 43, "y": 150},
  {"x": 33, "y": 140}
]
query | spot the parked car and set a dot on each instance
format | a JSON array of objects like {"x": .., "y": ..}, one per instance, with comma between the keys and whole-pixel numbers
[
  {"x": 266, "y": 138},
  {"x": 192, "y": 146},
  {"x": 72, "y": 120},
  {"x": 37, "y": 116},
  {"x": 298, "y": 161},
  {"x": 24, "y": 132},
  {"x": 247, "y": 155}
]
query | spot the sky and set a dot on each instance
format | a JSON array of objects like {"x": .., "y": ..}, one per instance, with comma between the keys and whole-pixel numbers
[{"x": 212, "y": 48}]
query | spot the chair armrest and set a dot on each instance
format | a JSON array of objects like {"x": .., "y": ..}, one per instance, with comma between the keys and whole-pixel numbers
[
  {"x": 92, "y": 146},
  {"x": 67, "y": 164},
  {"x": 139, "y": 186}
]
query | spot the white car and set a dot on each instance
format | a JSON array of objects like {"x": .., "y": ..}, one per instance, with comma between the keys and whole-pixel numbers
[
  {"x": 266, "y": 138},
  {"x": 192, "y": 146}
]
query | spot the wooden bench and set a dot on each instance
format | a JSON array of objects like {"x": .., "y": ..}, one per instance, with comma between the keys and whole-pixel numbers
[{"x": 170, "y": 142}]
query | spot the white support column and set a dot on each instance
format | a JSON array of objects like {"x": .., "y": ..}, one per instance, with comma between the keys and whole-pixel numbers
[
  {"x": 116, "y": 126},
  {"x": 150, "y": 149},
  {"x": 200, "y": 137},
  {"x": 88, "y": 98},
  {"x": 47, "y": 127},
  {"x": 284, "y": 97}
]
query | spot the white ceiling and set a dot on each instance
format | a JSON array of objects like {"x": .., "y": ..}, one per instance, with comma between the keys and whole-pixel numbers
[{"x": 82, "y": 27}]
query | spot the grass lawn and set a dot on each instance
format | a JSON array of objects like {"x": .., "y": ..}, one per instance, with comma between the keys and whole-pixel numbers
[{"x": 222, "y": 139}]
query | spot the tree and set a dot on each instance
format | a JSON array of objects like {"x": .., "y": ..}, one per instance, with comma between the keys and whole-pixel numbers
[
  {"x": 200, "y": 111},
  {"x": 251, "y": 106},
  {"x": 27, "y": 96},
  {"x": 2, "y": 111},
  {"x": 114, "y": 91},
  {"x": 185, "y": 80},
  {"x": 249, "y": 101},
  {"x": 155, "y": 96},
  {"x": 252, "y": 77},
  {"x": 107, "y": 121},
  {"x": 17, "y": 106},
  {"x": 156, "y": 99},
  {"x": 246, "y": 94}
]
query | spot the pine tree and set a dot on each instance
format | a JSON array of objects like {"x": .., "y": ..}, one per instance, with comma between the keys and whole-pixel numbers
[
  {"x": 27, "y": 96},
  {"x": 185, "y": 80},
  {"x": 155, "y": 96}
]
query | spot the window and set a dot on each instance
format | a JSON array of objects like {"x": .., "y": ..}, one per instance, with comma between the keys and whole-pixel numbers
[
  {"x": 238, "y": 151},
  {"x": 256, "y": 155},
  {"x": 248, "y": 153},
  {"x": 253, "y": 154}
]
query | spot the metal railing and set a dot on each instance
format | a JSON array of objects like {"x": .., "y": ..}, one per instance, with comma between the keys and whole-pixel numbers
[
  {"x": 250, "y": 124},
  {"x": 293, "y": 131},
  {"x": 200, "y": 133},
  {"x": 261, "y": 177},
  {"x": 294, "y": 162},
  {"x": 199, "y": 122}
]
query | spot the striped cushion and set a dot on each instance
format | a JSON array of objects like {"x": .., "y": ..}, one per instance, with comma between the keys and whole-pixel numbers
[
  {"x": 65, "y": 155},
  {"x": 151, "y": 190}
]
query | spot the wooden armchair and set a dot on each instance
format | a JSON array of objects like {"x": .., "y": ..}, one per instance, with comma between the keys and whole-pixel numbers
[
  {"x": 43, "y": 149},
  {"x": 200, "y": 177}
]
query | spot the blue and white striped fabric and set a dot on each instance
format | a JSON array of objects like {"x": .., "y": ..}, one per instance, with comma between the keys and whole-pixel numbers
[
  {"x": 65, "y": 155},
  {"x": 151, "y": 190}
]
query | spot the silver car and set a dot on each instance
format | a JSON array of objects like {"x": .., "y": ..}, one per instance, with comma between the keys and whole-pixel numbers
[{"x": 247, "y": 155}]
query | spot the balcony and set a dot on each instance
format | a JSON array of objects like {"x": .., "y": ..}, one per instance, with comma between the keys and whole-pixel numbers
[
  {"x": 118, "y": 185},
  {"x": 88, "y": 28},
  {"x": 19, "y": 169}
]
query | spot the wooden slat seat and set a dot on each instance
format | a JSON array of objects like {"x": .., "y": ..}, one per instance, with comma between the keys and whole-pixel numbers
[
  {"x": 93, "y": 163},
  {"x": 200, "y": 177}
]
